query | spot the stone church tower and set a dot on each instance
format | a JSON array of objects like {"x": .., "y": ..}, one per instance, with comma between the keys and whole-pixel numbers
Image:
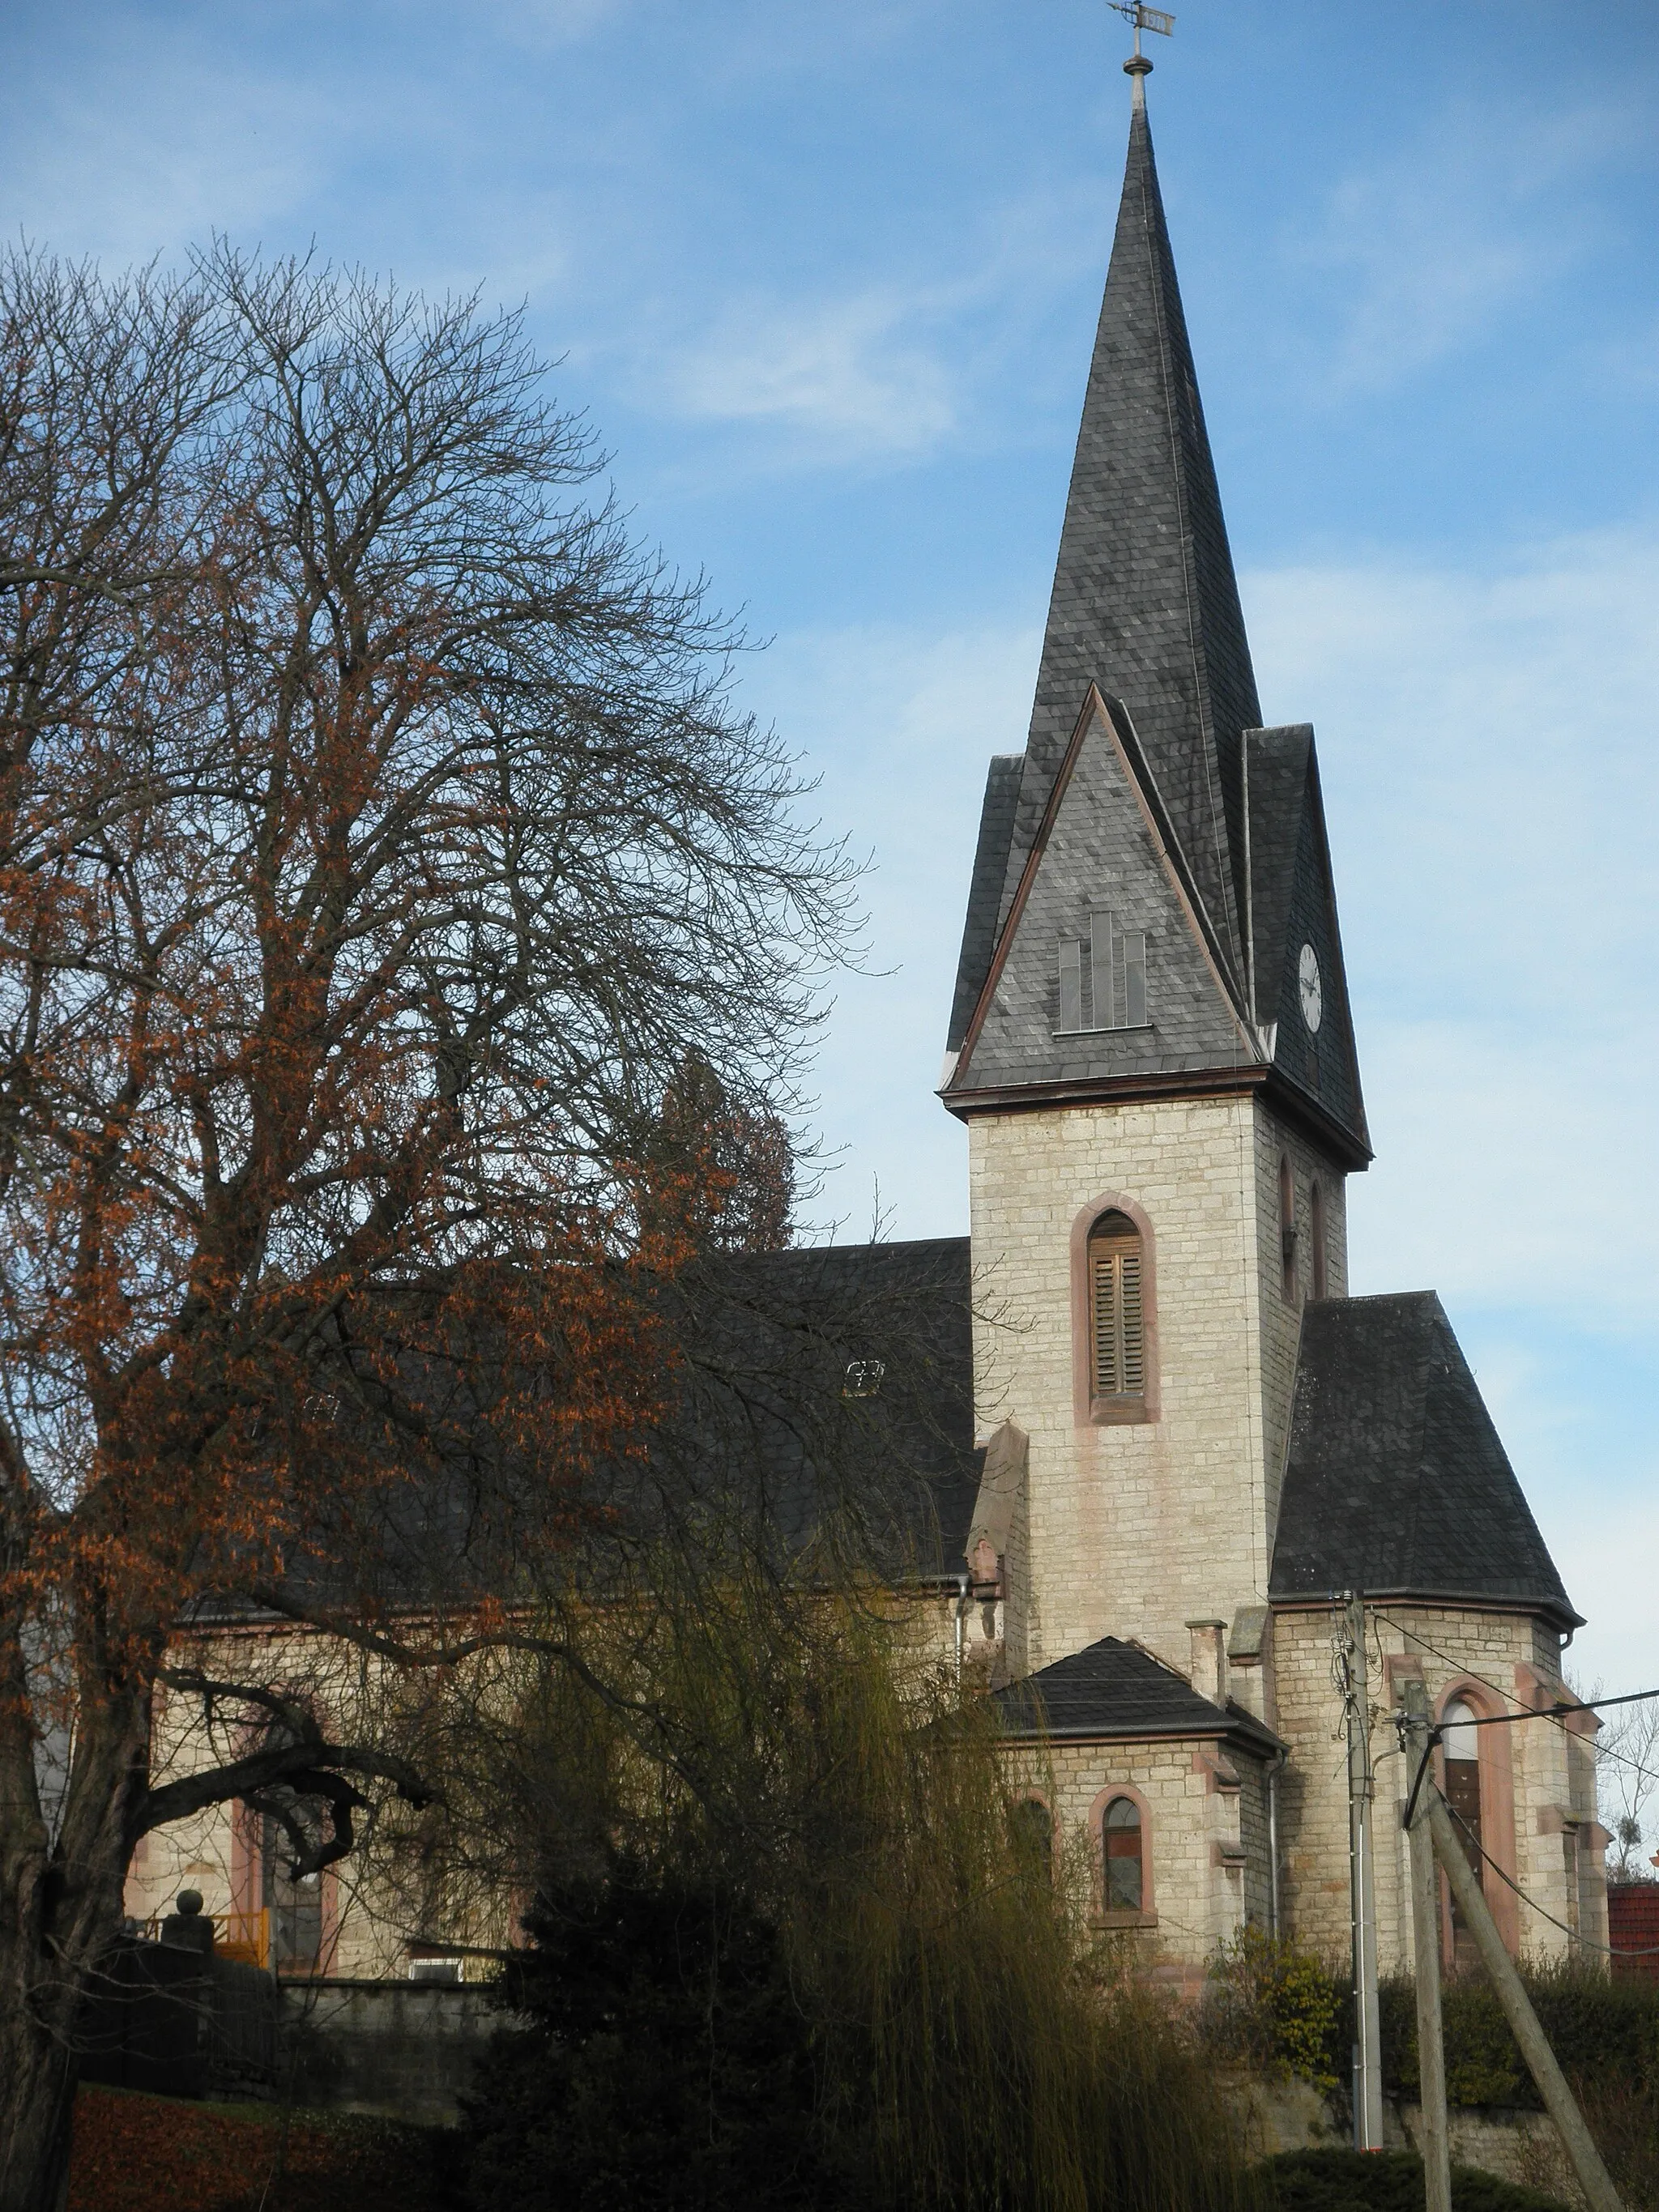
[{"x": 1196, "y": 1441}]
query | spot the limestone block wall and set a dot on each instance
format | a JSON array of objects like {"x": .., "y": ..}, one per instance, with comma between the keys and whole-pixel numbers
[
  {"x": 371, "y": 1908},
  {"x": 1538, "y": 1803},
  {"x": 1204, "y": 1838},
  {"x": 1281, "y": 1317},
  {"x": 1136, "y": 1529}
]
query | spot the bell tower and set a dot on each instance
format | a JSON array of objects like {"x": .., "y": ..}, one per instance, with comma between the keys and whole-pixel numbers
[{"x": 1149, "y": 1040}]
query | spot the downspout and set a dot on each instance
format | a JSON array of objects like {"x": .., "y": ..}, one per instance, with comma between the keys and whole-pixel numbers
[
  {"x": 1273, "y": 1772},
  {"x": 961, "y": 1613}
]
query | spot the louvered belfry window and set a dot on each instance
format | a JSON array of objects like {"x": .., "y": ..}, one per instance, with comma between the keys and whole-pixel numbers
[{"x": 1118, "y": 1304}]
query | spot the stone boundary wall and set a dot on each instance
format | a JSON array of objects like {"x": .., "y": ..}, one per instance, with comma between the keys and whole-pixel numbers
[
  {"x": 403, "y": 2050},
  {"x": 1509, "y": 2142}
]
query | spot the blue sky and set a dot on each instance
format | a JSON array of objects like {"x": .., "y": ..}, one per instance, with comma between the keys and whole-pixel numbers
[{"x": 825, "y": 277}]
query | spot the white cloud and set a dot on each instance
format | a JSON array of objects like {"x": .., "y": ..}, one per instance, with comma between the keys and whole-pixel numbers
[
  {"x": 900, "y": 726},
  {"x": 1429, "y": 250},
  {"x": 892, "y": 370},
  {"x": 1488, "y": 746},
  {"x": 848, "y": 372}
]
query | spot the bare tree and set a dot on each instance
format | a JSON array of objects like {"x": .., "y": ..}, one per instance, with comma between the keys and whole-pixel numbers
[
  {"x": 1627, "y": 1778},
  {"x": 377, "y": 831}
]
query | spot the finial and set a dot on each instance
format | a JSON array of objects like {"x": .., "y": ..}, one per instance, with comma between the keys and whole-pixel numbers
[{"x": 1144, "y": 19}]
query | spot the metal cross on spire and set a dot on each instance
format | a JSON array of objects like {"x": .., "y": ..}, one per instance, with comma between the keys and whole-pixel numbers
[{"x": 1144, "y": 19}]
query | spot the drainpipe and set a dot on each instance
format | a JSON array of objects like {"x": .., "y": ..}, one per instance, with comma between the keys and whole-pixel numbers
[
  {"x": 1273, "y": 1772},
  {"x": 961, "y": 1611}
]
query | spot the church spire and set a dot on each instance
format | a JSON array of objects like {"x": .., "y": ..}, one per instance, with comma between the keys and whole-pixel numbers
[{"x": 1145, "y": 603}]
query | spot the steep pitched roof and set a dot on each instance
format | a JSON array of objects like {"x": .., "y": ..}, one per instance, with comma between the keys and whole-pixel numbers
[
  {"x": 1113, "y": 1690},
  {"x": 1144, "y": 616},
  {"x": 979, "y": 931},
  {"x": 1397, "y": 1483},
  {"x": 1144, "y": 602},
  {"x": 767, "y": 1421},
  {"x": 1292, "y": 903}
]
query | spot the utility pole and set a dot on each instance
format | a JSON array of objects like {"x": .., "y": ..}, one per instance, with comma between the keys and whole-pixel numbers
[
  {"x": 1368, "y": 2037},
  {"x": 1592, "y": 2177},
  {"x": 1425, "y": 1949}
]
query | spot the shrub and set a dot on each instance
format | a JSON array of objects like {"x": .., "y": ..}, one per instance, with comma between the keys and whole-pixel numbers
[
  {"x": 665, "y": 2062},
  {"x": 834, "y": 1973},
  {"x": 1601, "y": 2031},
  {"x": 1270, "y": 2006},
  {"x": 1385, "y": 2181}
]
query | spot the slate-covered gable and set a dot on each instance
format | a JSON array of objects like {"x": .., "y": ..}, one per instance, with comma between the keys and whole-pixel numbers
[
  {"x": 1113, "y": 1690},
  {"x": 1105, "y": 851},
  {"x": 1397, "y": 1483},
  {"x": 979, "y": 931}
]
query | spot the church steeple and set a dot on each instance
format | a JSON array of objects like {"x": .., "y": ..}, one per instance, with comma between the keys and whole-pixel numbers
[
  {"x": 1151, "y": 825},
  {"x": 1145, "y": 603}
]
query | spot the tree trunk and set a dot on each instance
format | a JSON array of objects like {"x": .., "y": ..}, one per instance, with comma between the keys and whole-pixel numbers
[
  {"x": 60, "y": 1911},
  {"x": 37, "y": 2093}
]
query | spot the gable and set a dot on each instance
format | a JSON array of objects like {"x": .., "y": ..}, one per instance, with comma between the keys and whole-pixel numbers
[
  {"x": 1293, "y": 904},
  {"x": 1107, "y": 966}
]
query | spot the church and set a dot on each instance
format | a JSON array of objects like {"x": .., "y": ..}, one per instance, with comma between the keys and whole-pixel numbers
[
  {"x": 1165, "y": 1451},
  {"x": 1197, "y": 1445}
]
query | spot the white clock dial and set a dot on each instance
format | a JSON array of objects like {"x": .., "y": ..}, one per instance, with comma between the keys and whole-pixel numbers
[{"x": 1312, "y": 990}]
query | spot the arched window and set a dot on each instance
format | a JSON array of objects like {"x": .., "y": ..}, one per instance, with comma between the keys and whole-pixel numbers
[
  {"x": 1287, "y": 1228},
  {"x": 1460, "y": 1745},
  {"x": 1122, "y": 1867},
  {"x": 295, "y": 1902},
  {"x": 1317, "y": 1229},
  {"x": 1033, "y": 1830},
  {"x": 1117, "y": 1310}
]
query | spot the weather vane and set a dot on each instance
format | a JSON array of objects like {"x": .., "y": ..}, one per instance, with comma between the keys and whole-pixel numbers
[{"x": 1143, "y": 18}]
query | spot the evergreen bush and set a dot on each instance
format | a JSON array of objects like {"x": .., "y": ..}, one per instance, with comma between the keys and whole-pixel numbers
[
  {"x": 662, "y": 2060},
  {"x": 1601, "y": 2030},
  {"x": 1383, "y": 2181},
  {"x": 1278, "y": 2009}
]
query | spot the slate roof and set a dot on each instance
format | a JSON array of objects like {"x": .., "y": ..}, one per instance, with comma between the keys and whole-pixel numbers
[
  {"x": 978, "y": 934},
  {"x": 793, "y": 1323},
  {"x": 1113, "y": 1690},
  {"x": 1144, "y": 602},
  {"x": 1145, "y": 607},
  {"x": 1105, "y": 861},
  {"x": 1292, "y": 903},
  {"x": 763, "y": 1424},
  {"x": 1396, "y": 1483}
]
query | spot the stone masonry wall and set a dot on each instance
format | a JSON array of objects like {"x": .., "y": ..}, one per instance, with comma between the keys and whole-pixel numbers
[
  {"x": 1538, "y": 1809},
  {"x": 1135, "y": 1529},
  {"x": 1200, "y": 1818},
  {"x": 1281, "y": 1317}
]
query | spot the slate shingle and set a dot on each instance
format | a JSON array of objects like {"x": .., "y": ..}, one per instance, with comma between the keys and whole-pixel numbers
[
  {"x": 1397, "y": 1483},
  {"x": 1145, "y": 601},
  {"x": 1116, "y": 1690}
]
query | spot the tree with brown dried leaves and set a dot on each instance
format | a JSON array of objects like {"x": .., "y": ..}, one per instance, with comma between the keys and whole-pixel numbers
[{"x": 376, "y": 831}]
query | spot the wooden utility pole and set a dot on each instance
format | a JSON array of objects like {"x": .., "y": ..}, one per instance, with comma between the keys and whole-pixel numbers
[
  {"x": 1367, "y": 2037},
  {"x": 1592, "y": 2177},
  {"x": 1425, "y": 1949}
]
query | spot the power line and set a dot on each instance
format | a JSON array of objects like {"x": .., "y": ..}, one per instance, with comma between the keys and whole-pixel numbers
[
  {"x": 1547, "y": 1713},
  {"x": 1589, "y": 1942}
]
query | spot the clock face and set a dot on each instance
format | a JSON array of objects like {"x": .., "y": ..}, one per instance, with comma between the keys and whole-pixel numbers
[{"x": 1312, "y": 990}]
